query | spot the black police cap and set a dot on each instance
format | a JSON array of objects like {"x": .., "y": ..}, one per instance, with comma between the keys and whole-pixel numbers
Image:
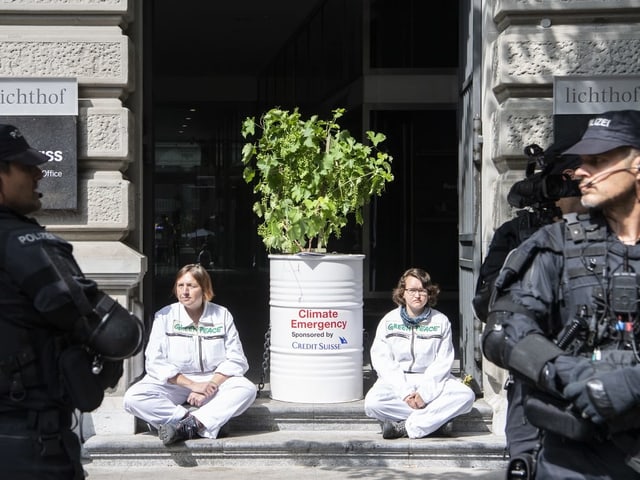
[
  {"x": 15, "y": 149},
  {"x": 608, "y": 131}
]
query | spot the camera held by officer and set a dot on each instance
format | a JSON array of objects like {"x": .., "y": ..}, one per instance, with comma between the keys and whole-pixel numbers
[{"x": 539, "y": 191}]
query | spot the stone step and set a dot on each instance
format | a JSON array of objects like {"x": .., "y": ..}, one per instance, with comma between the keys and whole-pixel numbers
[
  {"x": 280, "y": 433},
  {"x": 267, "y": 414},
  {"x": 300, "y": 447}
]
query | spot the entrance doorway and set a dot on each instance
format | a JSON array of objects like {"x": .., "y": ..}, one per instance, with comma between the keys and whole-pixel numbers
[{"x": 215, "y": 63}]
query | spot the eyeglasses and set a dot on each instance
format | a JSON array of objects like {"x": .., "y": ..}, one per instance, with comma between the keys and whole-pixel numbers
[{"x": 416, "y": 291}]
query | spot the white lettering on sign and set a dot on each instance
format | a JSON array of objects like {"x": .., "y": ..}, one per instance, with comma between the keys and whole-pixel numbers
[{"x": 53, "y": 155}]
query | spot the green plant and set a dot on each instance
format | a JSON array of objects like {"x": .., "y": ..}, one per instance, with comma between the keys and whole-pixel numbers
[{"x": 310, "y": 176}]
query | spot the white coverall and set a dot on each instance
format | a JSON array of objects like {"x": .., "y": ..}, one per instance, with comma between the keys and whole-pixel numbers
[
  {"x": 177, "y": 346},
  {"x": 417, "y": 359}
]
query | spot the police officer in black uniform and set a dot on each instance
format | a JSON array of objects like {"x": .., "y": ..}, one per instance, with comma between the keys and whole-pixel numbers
[
  {"x": 565, "y": 317},
  {"x": 62, "y": 340}
]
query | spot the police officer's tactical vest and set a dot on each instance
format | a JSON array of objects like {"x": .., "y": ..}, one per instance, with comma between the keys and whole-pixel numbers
[
  {"x": 598, "y": 297},
  {"x": 599, "y": 309},
  {"x": 600, "y": 287},
  {"x": 39, "y": 361},
  {"x": 29, "y": 378}
]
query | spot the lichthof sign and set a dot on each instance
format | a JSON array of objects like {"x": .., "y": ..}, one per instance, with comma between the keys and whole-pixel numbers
[
  {"x": 46, "y": 110},
  {"x": 595, "y": 94},
  {"x": 578, "y": 98}
]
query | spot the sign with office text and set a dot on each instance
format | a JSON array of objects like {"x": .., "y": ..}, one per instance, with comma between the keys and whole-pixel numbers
[{"x": 46, "y": 110}]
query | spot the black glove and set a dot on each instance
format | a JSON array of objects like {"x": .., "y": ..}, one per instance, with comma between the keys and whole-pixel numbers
[
  {"x": 559, "y": 372},
  {"x": 604, "y": 395},
  {"x": 595, "y": 408},
  {"x": 576, "y": 389},
  {"x": 587, "y": 368},
  {"x": 562, "y": 369}
]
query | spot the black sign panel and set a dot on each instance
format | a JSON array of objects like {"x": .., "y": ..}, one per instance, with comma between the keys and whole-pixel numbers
[{"x": 56, "y": 137}]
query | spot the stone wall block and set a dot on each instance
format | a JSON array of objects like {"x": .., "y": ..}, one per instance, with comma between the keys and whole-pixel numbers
[
  {"x": 516, "y": 124},
  {"x": 105, "y": 132},
  {"x": 501, "y": 210},
  {"x": 65, "y": 6},
  {"x": 96, "y": 56},
  {"x": 519, "y": 123},
  {"x": 533, "y": 56},
  {"x": 104, "y": 209},
  {"x": 108, "y": 200},
  {"x": 116, "y": 267}
]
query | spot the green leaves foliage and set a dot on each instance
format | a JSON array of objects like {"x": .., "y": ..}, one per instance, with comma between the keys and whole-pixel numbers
[{"x": 310, "y": 175}]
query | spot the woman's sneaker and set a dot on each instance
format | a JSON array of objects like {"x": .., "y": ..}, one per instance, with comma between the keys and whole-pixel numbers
[
  {"x": 185, "y": 429},
  {"x": 391, "y": 430}
]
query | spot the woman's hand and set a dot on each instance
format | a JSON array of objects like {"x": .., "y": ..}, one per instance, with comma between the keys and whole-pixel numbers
[
  {"x": 196, "y": 399},
  {"x": 208, "y": 389},
  {"x": 415, "y": 401},
  {"x": 201, "y": 392}
]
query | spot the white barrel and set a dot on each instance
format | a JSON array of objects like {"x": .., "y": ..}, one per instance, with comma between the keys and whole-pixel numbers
[{"x": 316, "y": 328}]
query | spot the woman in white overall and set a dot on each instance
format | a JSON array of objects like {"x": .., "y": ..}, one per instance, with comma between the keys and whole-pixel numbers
[
  {"x": 412, "y": 353},
  {"x": 194, "y": 356}
]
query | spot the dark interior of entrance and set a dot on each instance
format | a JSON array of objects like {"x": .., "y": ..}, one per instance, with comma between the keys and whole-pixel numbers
[{"x": 211, "y": 64}]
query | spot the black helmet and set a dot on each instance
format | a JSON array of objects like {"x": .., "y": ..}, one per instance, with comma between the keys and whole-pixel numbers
[{"x": 118, "y": 334}]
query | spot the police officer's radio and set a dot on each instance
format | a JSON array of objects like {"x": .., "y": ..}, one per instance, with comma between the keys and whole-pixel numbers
[
  {"x": 624, "y": 303},
  {"x": 624, "y": 293}
]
